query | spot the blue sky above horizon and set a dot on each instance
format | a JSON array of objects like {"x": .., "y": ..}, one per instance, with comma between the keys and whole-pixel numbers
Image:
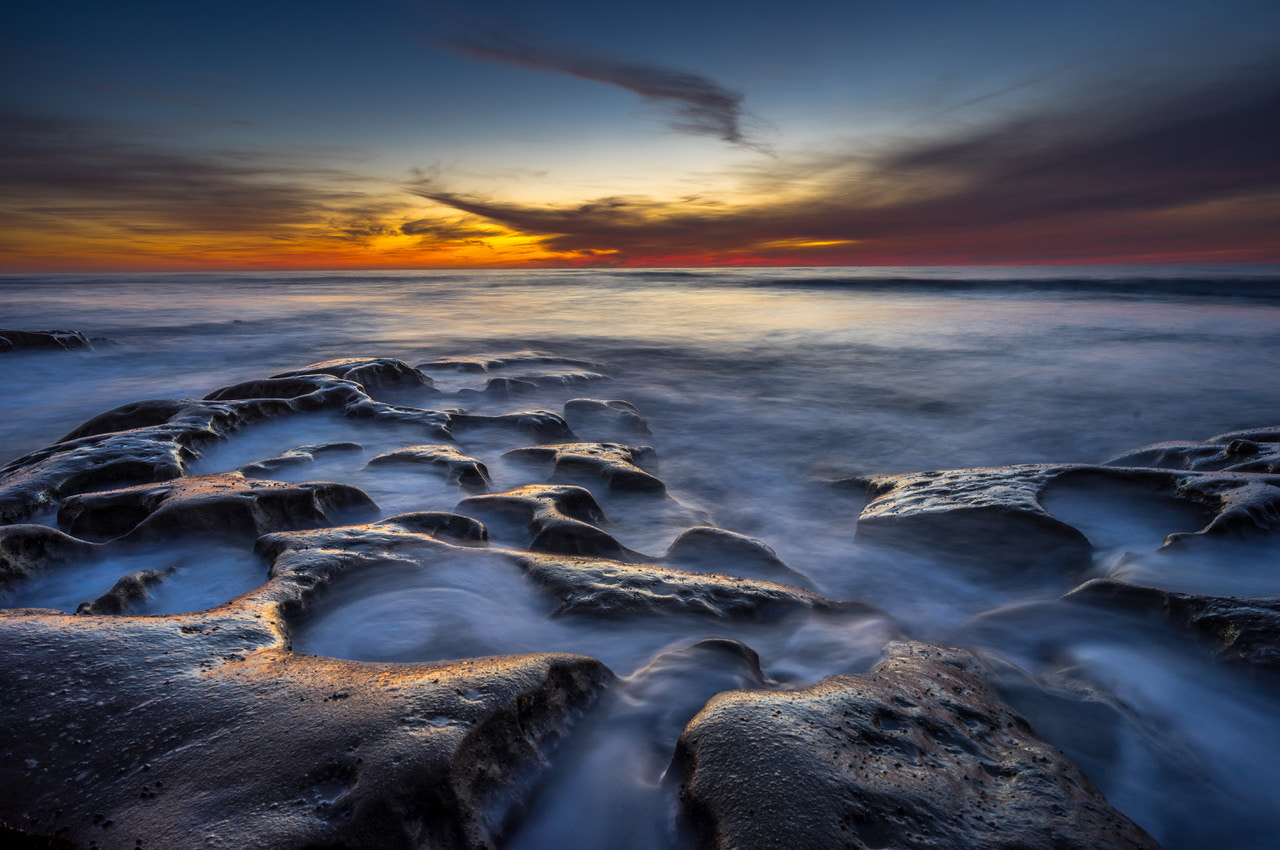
[{"x": 385, "y": 134}]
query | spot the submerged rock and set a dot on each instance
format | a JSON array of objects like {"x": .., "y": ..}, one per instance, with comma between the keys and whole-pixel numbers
[
  {"x": 918, "y": 753},
  {"x": 370, "y": 373},
  {"x": 467, "y": 472},
  {"x": 615, "y": 464},
  {"x": 1241, "y": 629},
  {"x": 485, "y": 363},
  {"x": 612, "y": 414},
  {"x": 128, "y": 590},
  {"x": 224, "y": 504},
  {"x": 297, "y": 456},
  {"x": 706, "y": 547}
]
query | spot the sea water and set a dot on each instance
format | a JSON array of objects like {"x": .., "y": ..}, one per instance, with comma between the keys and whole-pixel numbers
[{"x": 759, "y": 387}]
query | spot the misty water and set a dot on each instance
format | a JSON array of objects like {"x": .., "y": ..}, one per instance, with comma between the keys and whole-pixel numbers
[{"x": 759, "y": 388}]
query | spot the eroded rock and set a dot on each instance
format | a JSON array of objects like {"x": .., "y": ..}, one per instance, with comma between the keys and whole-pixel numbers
[
  {"x": 204, "y": 730},
  {"x": 918, "y": 753},
  {"x": 1256, "y": 450},
  {"x": 129, "y": 589},
  {"x": 555, "y": 518},
  {"x": 297, "y": 456},
  {"x": 29, "y": 549},
  {"x": 225, "y": 504},
  {"x": 467, "y": 472},
  {"x": 372, "y": 373},
  {"x": 609, "y": 414},
  {"x": 1239, "y": 628},
  {"x": 617, "y": 465}
]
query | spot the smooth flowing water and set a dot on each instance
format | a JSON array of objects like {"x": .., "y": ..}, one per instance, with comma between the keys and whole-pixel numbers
[{"x": 757, "y": 385}]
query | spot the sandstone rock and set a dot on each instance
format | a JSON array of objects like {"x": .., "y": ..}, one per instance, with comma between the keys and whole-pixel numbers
[
  {"x": 467, "y": 472},
  {"x": 204, "y": 730},
  {"x": 28, "y": 549},
  {"x": 129, "y": 589},
  {"x": 224, "y": 504},
  {"x": 706, "y": 547},
  {"x": 615, "y": 464},
  {"x": 552, "y": 518},
  {"x": 1245, "y": 629},
  {"x": 918, "y": 753}
]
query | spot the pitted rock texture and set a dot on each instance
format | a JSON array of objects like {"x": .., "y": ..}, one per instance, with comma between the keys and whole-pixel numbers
[
  {"x": 1256, "y": 450},
  {"x": 619, "y": 466},
  {"x": 467, "y": 472},
  {"x": 15, "y": 340},
  {"x": 1239, "y": 628},
  {"x": 204, "y": 730},
  {"x": 225, "y": 504},
  {"x": 919, "y": 753}
]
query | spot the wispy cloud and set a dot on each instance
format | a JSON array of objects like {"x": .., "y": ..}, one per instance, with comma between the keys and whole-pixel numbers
[
  {"x": 700, "y": 105},
  {"x": 1201, "y": 173}
]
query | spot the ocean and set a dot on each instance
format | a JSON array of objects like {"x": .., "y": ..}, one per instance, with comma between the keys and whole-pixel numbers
[{"x": 763, "y": 389}]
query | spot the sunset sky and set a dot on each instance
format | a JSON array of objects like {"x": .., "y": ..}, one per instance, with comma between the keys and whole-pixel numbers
[{"x": 397, "y": 134}]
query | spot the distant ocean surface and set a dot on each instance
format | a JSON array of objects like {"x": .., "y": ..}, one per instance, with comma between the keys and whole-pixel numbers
[{"x": 757, "y": 384}]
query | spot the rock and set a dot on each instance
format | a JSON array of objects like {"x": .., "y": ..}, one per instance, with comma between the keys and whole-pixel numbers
[
  {"x": 498, "y": 361},
  {"x": 611, "y": 414},
  {"x": 204, "y": 730},
  {"x": 544, "y": 425},
  {"x": 467, "y": 472},
  {"x": 225, "y": 504},
  {"x": 15, "y": 340},
  {"x": 1257, "y": 450},
  {"x": 615, "y": 464},
  {"x": 598, "y": 586},
  {"x": 918, "y": 753},
  {"x": 370, "y": 373},
  {"x": 501, "y": 388},
  {"x": 1241, "y": 629},
  {"x": 984, "y": 516},
  {"x": 298, "y": 456},
  {"x": 128, "y": 590},
  {"x": 705, "y": 547},
  {"x": 554, "y": 518},
  {"x": 29, "y": 549}
]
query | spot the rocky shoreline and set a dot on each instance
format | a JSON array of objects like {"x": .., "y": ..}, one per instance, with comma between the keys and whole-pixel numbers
[{"x": 208, "y": 729}]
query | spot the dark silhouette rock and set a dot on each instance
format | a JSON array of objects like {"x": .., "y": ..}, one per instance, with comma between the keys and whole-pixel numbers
[
  {"x": 918, "y": 753},
  {"x": 15, "y": 340},
  {"x": 612, "y": 415},
  {"x": 709, "y": 548},
  {"x": 370, "y": 373},
  {"x": 298, "y": 456},
  {"x": 548, "y": 517}
]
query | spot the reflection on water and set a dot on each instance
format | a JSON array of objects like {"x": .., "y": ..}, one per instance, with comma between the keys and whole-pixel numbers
[{"x": 755, "y": 384}]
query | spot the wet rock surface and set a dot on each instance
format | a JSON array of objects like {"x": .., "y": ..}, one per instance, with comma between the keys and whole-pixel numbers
[
  {"x": 207, "y": 728},
  {"x": 1238, "y": 629},
  {"x": 16, "y": 340},
  {"x": 917, "y": 753}
]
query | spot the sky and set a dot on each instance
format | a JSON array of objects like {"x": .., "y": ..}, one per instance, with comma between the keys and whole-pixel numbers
[{"x": 402, "y": 134}]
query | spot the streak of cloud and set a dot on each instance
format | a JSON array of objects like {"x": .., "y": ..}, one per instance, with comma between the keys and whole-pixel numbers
[
  {"x": 701, "y": 105},
  {"x": 1203, "y": 171}
]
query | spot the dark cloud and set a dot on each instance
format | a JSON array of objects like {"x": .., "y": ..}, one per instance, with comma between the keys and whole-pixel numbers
[
  {"x": 447, "y": 230},
  {"x": 1197, "y": 171},
  {"x": 66, "y": 174},
  {"x": 701, "y": 105}
]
